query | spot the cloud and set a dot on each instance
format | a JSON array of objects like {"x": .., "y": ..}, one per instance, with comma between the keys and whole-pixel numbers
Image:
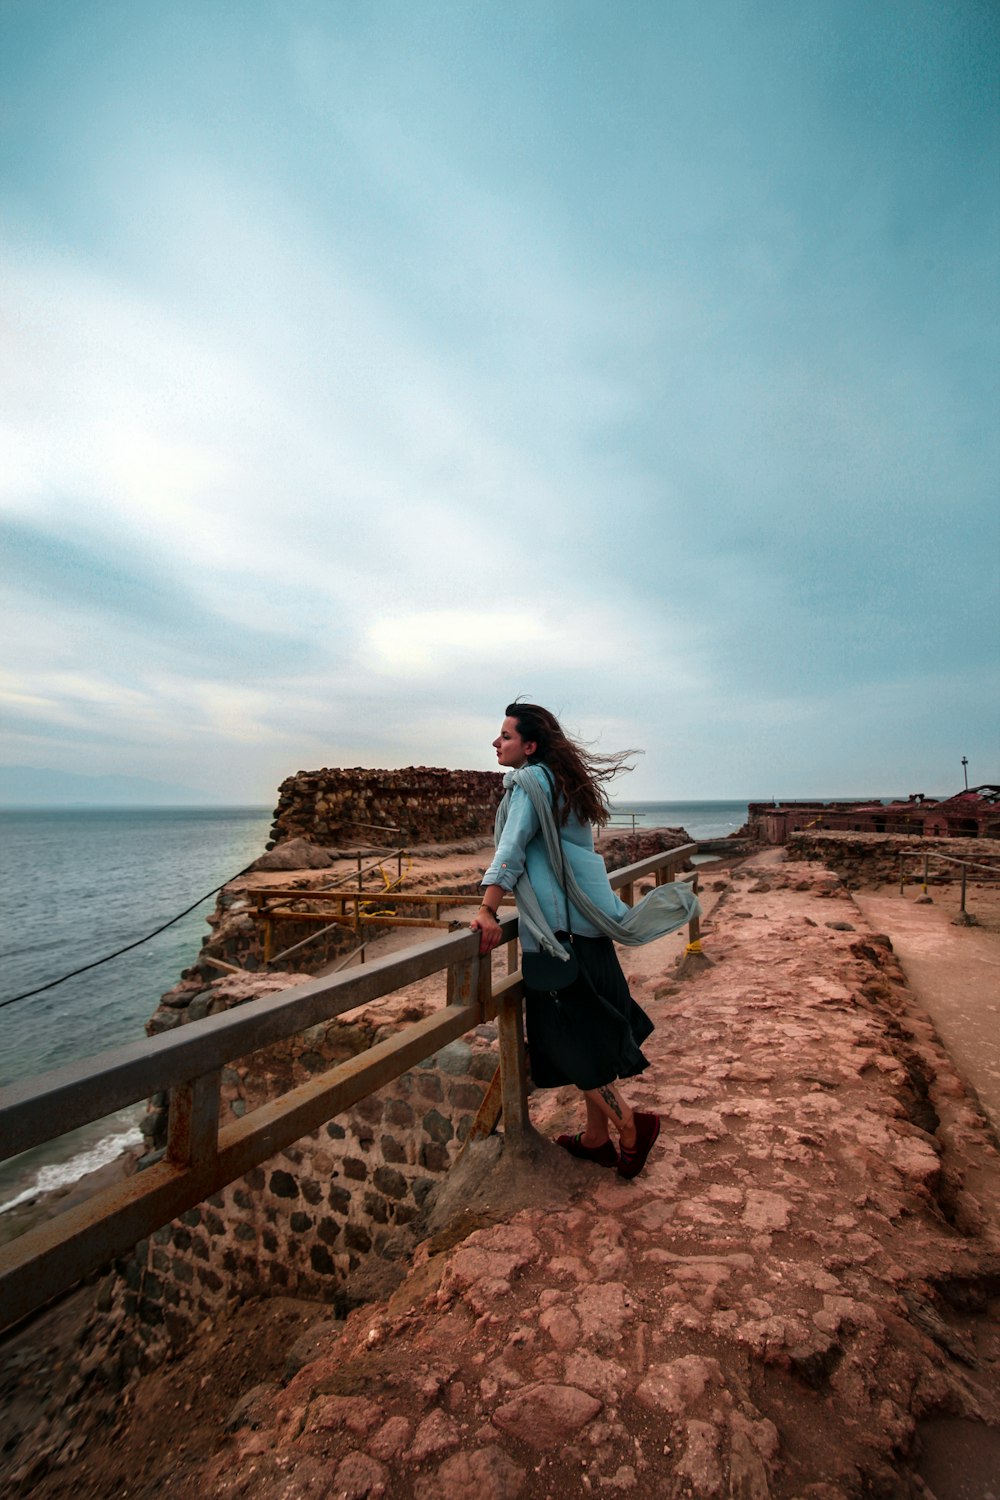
[
  {"x": 441, "y": 364},
  {"x": 100, "y": 583},
  {"x": 538, "y": 637}
]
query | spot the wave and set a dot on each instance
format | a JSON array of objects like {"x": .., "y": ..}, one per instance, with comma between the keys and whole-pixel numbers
[{"x": 55, "y": 1175}]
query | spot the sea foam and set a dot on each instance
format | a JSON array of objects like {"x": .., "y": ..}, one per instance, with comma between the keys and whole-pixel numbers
[{"x": 57, "y": 1175}]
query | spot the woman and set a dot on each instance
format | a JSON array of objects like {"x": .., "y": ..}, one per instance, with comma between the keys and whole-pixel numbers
[{"x": 589, "y": 1034}]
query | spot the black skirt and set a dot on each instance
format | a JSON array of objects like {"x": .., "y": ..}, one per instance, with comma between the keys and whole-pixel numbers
[{"x": 590, "y": 1033}]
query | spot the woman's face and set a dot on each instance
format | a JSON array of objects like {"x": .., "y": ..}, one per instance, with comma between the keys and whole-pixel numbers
[{"x": 511, "y": 749}]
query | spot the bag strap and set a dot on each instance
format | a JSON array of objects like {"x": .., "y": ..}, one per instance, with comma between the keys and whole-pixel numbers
[{"x": 562, "y": 859}]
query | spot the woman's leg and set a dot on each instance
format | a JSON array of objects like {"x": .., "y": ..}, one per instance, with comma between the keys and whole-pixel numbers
[
  {"x": 596, "y": 1132},
  {"x": 638, "y": 1131},
  {"x": 606, "y": 1107}
]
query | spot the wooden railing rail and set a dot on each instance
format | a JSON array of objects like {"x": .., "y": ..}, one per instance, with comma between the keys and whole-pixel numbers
[
  {"x": 271, "y": 904},
  {"x": 662, "y": 867},
  {"x": 347, "y": 894},
  {"x": 201, "y": 1157},
  {"x": 39, "y": 1109}
]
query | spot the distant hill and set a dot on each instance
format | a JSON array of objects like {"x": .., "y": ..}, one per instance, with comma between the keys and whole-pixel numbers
[{"x": 31, "y": 786}]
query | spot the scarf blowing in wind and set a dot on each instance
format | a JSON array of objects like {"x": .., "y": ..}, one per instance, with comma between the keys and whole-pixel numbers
[{"x": 663, "y": 910}]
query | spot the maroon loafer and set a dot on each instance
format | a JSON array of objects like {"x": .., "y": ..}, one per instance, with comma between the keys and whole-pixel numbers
[
  {"x": 604, "y": 1155},
  {"x": 647, "y": 1128}
]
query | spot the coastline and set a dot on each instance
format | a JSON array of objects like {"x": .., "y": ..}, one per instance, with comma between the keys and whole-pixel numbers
[{"x": 48, "y": 1203}]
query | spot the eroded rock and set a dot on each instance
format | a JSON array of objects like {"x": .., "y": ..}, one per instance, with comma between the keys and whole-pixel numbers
[{"x": 544, "y": 1416}]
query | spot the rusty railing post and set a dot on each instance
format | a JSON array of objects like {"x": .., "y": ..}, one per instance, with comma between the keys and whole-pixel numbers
[
  {"x": 463, "y": 981},
  {"x": 193, "y": 1120},
  {"x": 470, "y": 981},
  {"x": 693, "y": 960},
  {"x": 484, "y": 988}
]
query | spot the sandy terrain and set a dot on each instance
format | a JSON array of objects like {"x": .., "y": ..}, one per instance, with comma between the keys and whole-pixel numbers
[{"x": 934, "y": 952}]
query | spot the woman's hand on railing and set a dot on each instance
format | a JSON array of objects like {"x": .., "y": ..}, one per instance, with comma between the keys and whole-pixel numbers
[{"x": 489, "y": 931}]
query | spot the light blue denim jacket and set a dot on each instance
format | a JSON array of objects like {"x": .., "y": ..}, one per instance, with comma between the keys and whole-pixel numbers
[{"x": 520, "y": 849}]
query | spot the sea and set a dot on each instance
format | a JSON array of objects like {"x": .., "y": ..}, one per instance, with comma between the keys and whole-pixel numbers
[
  {"x": 702, "y": 820},
  {"x": 79, "y": 884},
  {"x": 75, "y": 885}
]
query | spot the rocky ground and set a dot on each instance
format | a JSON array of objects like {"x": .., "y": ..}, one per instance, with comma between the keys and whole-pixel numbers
[{"x": 798, "y": 1297}]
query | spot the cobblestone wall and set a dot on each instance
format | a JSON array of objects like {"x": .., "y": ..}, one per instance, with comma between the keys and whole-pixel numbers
[
  {"x": 426, "y": 803},
  {"x": 325, "y": 1208}
]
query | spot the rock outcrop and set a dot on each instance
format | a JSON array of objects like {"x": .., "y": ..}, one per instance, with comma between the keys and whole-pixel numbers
[
  {"x": 799, "y": 1279},
  {"x": 294, "y": 854}
]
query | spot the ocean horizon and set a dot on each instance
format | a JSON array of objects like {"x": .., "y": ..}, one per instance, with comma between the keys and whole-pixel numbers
[{"x": 78, "y": 883}]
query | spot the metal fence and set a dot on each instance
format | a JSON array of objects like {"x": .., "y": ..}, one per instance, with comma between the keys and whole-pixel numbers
[
  {"x": 202, "y": 1156},
  {"x": 965, "y": 865}
]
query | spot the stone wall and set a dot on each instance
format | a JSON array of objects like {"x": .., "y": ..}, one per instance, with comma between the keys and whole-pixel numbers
[
  {"x": 328, "y": 1216},
  {"x": 425, "y": 803},
  {"x": 863, "y": 859}
]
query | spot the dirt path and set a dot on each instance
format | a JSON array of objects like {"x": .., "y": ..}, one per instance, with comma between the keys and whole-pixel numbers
[{"x": 955, "y": 971}]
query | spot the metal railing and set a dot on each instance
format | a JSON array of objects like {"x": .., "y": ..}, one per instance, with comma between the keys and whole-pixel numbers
[
  {"x": 623, "y": 819},
  {"x": 947, "y": 859},
  {"x": 354, "y": 908},
  {"x": 203, "y": 1156}
]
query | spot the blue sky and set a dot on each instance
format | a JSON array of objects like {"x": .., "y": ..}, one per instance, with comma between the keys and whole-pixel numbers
[{"x": 366, "y": 365}]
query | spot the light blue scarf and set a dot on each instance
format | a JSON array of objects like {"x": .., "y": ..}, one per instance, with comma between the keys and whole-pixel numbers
[{"x": 663, "y": 910}]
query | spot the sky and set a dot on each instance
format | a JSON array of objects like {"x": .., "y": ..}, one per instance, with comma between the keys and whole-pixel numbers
[{"x": 364, "y": 366}]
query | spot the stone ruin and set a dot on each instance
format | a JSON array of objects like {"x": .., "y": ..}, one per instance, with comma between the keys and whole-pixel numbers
[
  {"x": 426, "y": 804},
  {"x": 862, "y": 859}
]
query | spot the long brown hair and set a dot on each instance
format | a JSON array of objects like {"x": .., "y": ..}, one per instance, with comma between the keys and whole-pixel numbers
[{"x": 580, "y": 774}]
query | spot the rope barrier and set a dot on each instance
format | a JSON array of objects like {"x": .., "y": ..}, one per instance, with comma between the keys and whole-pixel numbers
[
  {"x": 40, "y": 990},
  {"x": 392, "y": 885}
]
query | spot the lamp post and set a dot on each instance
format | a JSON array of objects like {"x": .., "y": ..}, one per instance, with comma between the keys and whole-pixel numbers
[{"x": 965, "y": 768}]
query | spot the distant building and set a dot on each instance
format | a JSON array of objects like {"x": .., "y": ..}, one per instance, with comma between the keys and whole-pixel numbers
[{"x": 969, "y": 814}]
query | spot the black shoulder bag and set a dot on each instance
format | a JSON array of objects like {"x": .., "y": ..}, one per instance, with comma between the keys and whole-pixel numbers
[{"x": 543, "y": 971}]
